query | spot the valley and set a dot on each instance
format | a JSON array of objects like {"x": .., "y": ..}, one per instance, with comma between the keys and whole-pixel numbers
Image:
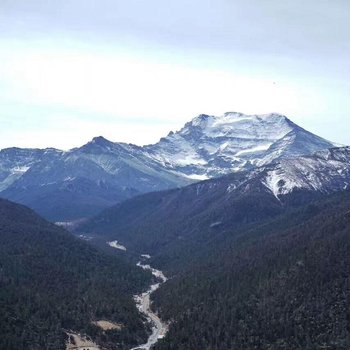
[
  {"x": 143, "y": 302},
  {"x": 174, "y": 175},
  {"x": 234, "y": 229}
]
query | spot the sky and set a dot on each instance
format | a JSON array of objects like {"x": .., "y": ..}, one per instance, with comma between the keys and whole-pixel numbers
[{"x": 134, "y": 70}]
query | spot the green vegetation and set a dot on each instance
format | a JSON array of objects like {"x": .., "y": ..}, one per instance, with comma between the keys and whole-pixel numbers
[
  {"x": 177, "y": 226},
  {"x": 284, "y": 284},
  {"x": 51, "y": 282},
  {"x": 248, "y": 271},
  {"x": 174, "y": 225}
]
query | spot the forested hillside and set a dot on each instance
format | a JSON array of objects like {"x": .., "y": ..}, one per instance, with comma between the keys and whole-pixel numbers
[
  {"x": 51, "y": 282},
  {"x": 174, "y": 226},
  {"x": 250, "y": 268},
  {"x": 281, "y": 285}
]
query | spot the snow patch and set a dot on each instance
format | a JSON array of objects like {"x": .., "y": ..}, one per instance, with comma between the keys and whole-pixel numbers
[
  {"x": 231, "y": 188},
  {"x": 116, "y": 245},
  {"x": 20, "y": 169},
  {"x": 259, "y": 148},
  {"x": 198, "y": 177},
  {"x": 215, "y": 224}
]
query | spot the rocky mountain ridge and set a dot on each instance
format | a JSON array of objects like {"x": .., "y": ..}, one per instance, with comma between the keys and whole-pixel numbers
[{"x": 68, "y": 185}]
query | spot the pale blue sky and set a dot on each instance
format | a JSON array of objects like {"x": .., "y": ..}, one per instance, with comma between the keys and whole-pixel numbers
[{"x": 134, "y": 70}]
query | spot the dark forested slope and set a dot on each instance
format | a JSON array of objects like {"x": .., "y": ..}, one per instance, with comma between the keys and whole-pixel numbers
[
  {"x": 51, "y": 281},
  {"x": 258, "y": 259},
  {"x": 281, "y": 285},
  {"x": 174, "y": 226}
]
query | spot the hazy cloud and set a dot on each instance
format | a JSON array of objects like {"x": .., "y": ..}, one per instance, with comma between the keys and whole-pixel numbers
[{"x": 111, "y": 62}]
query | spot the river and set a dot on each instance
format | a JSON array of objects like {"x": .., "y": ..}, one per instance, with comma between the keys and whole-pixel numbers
[{"x": 143, "y": 302}]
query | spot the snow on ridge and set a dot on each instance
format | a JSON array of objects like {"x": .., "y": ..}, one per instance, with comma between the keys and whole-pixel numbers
[
  {"x": 20, "y": 169},
  {"x": 280, "y": 183},
  {"x": 206, "y": 137},
  {"x": 231, "y": 188},
  {"x": 189, "y": 159},
  {"x": 309, "y": 172},
  {"x": 259, "y": 148},
  {"x": 206, "y": 147},
  {"x": 198, "y": 177},
  {"x": 271, "y": 126},
  {"x": 69, "y": 178}
]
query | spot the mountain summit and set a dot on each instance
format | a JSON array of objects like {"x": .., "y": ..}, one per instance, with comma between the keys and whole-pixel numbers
[
  {"x": 209, "y": 146},
  {"x": 81, "y": 182}
]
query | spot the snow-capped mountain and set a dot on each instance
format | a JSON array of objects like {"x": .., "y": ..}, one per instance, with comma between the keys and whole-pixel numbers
[
  {"x": 199, "y": 212},
  {"x": 69, "y": 185},
  {"x": 15, "y": 162},
  {"x": 325, "y": 172},
  {"x": 85, "y": 180},
  {"x": 210, "y": 146}
]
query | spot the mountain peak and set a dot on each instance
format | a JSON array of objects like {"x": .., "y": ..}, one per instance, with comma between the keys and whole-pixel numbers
[
  {"x": 208, "y": 146},
  {"x": 100, "y": 140},
  {"x": 235, "y": 117},
  {"x": 215, "y": 145},
  {"x": 243, "y": 115},
  {"x": 237, "y": 125},
  {"x": 96, "y": 145},
  {"x": 200, "y": 120},
  {"x": 234, "y": 114}
]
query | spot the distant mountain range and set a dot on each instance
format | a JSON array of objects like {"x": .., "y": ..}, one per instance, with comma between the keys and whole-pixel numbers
[
  {"x": 78, "y": 183},
  {"x": 64, "y": 186},
  {"x": 174, "y": 224},
  {"x": 210, "y": 146},
  {"x": 248, "y": 216}
]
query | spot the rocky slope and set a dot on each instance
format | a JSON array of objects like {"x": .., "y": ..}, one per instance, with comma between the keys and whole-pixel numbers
[{"x": 64, "y": 186}]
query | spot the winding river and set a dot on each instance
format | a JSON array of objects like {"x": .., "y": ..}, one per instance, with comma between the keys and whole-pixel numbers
[{"x": 143, "y": 302}]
